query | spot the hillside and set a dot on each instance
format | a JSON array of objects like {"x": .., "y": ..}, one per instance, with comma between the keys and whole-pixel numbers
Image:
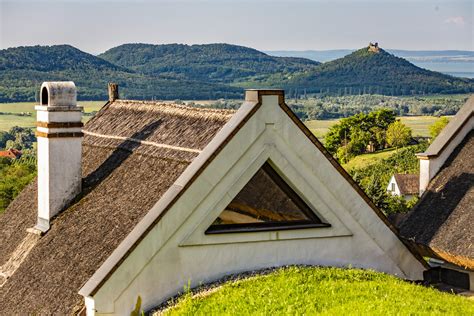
[
  {"x": 365, "y": 71},
  {"x": 22, "y": 70},
  {"x": 222, "y": 63},
  {"x": 211, "y": 71},
  {"x": 410, "y": 55}
]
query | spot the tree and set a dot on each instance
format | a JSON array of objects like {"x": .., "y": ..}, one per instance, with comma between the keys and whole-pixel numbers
[
  {"x": 398, "y": 134},
  {"x": 356, "y": 132},
  {"x": 438, "y": 126},
  {"x": 17, "y": 137},
  {"x": 4, "y": 138}
]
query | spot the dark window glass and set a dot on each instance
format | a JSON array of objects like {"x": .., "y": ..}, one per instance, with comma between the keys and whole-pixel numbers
[{"x": 265, "y": 203}]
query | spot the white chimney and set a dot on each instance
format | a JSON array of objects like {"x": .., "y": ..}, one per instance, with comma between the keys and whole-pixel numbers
[{"x": 59, "y": 133}]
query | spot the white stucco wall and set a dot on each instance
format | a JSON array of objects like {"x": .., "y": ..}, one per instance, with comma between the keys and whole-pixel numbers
[
  {"x": 176, "y": 251},
  {"x": 59, "y": 175}
]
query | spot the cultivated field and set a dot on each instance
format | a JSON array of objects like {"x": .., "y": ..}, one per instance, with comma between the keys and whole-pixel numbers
[
  {"x": 419, "y": 125},
  {"x": 14, "y": 119}
]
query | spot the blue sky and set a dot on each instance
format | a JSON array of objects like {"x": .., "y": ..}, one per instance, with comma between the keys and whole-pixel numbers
[{"x": 95, "y": 26}]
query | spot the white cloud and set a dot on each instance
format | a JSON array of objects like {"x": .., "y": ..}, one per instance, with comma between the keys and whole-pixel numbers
[{"x": 456, "y": 20}]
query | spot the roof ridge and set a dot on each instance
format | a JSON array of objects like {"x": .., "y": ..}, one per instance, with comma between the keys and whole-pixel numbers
[{"x": 170, "y": 105}]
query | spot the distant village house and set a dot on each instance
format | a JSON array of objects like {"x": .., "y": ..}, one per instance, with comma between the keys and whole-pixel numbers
[
  {"x": 11, "y": 153},
  {"x": 404, "y": 185}
]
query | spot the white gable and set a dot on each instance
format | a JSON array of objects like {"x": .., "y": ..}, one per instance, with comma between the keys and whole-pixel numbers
[
  {"x": 392, "y": 187},
  {"x": 176, "y": 250}
]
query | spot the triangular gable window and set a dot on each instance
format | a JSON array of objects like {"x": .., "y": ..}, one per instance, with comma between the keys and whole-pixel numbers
[{"x": 265, "y": 203}]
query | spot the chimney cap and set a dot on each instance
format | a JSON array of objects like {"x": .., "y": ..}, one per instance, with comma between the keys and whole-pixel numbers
[{"x": 58, "y": 93}]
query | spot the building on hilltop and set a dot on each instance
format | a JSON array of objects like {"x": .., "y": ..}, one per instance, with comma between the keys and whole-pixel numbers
[
  {"x": 404, "y": 185},
  {"x": 374, "y": 48},
  {"x": 441, "y": 226},
  {"x": 170, "y": 194}
]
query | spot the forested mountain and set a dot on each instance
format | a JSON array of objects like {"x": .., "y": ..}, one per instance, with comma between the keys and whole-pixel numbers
[
  {"x": 367, "y": 71},
  {"x": 52, "y": 58},
  {"x": 223, "y": 63},
  {"x": 212, "y": 71},
  {"x": 23, "y": 69}
]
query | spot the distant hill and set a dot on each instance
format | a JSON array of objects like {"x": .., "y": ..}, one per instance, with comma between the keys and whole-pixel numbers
[
  {"x": 51, "y": 58},
  {"x": 364, "y": 71},
  {"x": 222, "y": 63},
  {"x": 23, "y": 69},
  {"x": 317, "y": 55},
  {"x": 210, "y": 71},
  {"x": 459, "y": 63},
  {"x": 410, "y": 55}
]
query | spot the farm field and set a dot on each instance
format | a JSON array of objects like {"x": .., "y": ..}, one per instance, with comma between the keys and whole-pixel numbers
[
  {"x": 320, "y": 291},
  {"x": 8, "y": 121},
  {"x": 419, "y": 125},
  {"x": 320, "y": 127}
]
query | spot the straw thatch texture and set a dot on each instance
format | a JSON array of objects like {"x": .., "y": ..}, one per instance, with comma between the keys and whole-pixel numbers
[
  {"x": 122, "y": 180},
  {"x": 442, "y": 222},
  {"x": 160, "y": 123}
]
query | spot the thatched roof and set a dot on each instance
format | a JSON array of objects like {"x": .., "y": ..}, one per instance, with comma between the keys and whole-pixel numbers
[
  {"x": 408, "y": 184},
  {"x": 132, "y": 153},
  {"x": 441, "y": 224}
]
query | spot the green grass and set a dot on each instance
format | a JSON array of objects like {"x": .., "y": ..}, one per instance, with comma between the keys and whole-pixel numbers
[
  {"x": 322, "y": 291},
  {"x": 8, "y": 121},
  {"x": 320, "y": 127},
  {"x": 368, "y": 159},
  {"x": 419, "y": 125}
]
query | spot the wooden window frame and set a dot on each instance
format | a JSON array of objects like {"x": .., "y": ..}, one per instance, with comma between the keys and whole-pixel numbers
[{"x": 313, "y": 222}]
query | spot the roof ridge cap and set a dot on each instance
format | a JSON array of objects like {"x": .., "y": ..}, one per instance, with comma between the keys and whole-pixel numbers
[{"x": 165, "y": 104}]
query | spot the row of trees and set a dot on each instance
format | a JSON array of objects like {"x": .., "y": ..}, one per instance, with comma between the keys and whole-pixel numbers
[{"x": 332, "y": 107}]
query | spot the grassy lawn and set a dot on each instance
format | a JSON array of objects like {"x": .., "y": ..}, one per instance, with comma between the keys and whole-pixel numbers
[
  {"x": 321, "y": 291},
  {"x": 368, "y": 159},
  {"x": 8, "y": 121}
]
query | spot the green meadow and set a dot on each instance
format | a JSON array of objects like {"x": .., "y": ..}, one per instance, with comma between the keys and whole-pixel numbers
[
  {"x": 320, "y": 291},
  {"x": 14, "y": 119}
]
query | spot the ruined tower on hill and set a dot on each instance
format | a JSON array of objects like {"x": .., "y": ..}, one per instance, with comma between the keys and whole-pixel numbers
[{"x": 374, "y": 47}]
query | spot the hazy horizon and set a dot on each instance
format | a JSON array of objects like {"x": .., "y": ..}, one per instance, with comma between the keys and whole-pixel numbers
[{"x": 95, "y": 26}]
